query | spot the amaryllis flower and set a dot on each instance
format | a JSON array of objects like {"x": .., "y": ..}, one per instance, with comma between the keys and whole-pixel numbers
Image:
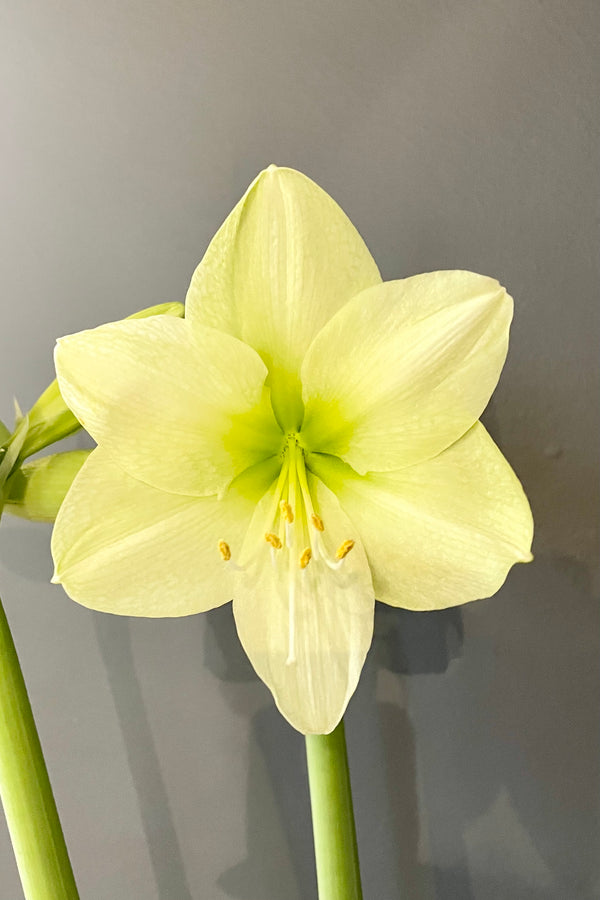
[{"x": 306, "y": 440}]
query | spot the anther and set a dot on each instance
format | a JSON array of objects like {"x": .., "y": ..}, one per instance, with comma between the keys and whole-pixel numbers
[
  {"x": 286, "y": 511},
  {"x": 273, "y": 540},
  {"x": 305, "y": 558},
  {"x": 317, "y": 522},
  {"x": 224, "y": 550},
  {"x": 344, "y": 549}
]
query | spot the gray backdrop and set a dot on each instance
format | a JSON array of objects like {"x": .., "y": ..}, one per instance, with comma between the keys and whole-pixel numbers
[{"x": 456, "y": 134}]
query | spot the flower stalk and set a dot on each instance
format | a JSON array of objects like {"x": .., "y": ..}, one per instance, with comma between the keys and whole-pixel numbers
[
  {"x": 336, "y": 851},
  {"x": 31, "y": 815}
]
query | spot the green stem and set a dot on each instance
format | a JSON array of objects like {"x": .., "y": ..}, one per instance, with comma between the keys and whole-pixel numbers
[
  {"x": 336, "y": 852},
  {"x": 27, "y": 798}
]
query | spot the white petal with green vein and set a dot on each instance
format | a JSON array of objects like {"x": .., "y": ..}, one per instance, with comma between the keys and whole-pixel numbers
[
  {"x": 163, "y": 400},
  {"x": 440, "y": 533},
  {"x": 285, "y": 260},
  {"x": 309, "y": 646},
  {"x": 121, "y": 546},
  {"x": 405, "y": 368}
]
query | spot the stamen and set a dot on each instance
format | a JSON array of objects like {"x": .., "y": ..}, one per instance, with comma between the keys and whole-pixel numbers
[
  {"x": 308, "y": 499},
  {"x": 317, "y": 522},
  {"x": 224, "y": 550},
  {"x": 278, "y": 491},
  {"x": 273, "y": 540},
  {"x": 306, "y": 557},
  {"x": 286, "y": 511},
  {"x": 344, "y": 549}
]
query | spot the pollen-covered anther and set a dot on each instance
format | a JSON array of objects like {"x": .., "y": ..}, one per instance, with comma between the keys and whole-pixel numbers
[
  {"x": 286, "y": 511},
  {"x": 344, "y": 549},
  {"x": 273, "y": 540},
  {"x": 317, "y": 522},
  {"x": 305, "y": 558},
  {"x": 224, "y": 550}
]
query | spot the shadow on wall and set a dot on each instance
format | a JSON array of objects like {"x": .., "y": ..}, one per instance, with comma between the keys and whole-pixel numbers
[
  {"x": 114, "y": 641},
  {"x": 25, "y": 549},
  {"x": 507, "y": 766},
  {"x": 507, "y": 748}
]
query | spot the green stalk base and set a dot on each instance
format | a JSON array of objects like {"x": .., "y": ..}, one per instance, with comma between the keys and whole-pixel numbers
[
  {"x": 336, "y": 851},
  {"x": 29, "y": 806}
]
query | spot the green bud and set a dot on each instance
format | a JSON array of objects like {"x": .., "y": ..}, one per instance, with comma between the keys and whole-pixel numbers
[
  {"x": 36, "y": 490},
  {"x": 162, "y": 309},
  {"x": 50, "y": 420},
  {"x": 11, "y": 450}
]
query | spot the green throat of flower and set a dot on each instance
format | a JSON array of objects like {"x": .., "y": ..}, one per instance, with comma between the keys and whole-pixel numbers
[{"x": 292, "y": 532}]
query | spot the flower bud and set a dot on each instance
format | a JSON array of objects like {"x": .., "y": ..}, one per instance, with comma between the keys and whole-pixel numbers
[
  {"x": 36, "y": 490},
  {"x": 50, "y": 420},
  {"x": 161, "y": 309},
  {"x": 11, "y": 450}
]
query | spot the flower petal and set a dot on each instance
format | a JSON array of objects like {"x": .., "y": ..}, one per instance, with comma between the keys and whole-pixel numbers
[
  {"x": 331, "y": 621},
  {"x": 164, "y": 400},
  {"x": 50, "y": 419},
  {"x": 440, "y": 533},
  {"x": 285, "y": 260},
  {"x": 124, "y": 547},
  {"x": 405, "y": 368}
]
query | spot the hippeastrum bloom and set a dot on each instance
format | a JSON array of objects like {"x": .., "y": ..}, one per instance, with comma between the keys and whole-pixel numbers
[{"x": 305, "y": 440}]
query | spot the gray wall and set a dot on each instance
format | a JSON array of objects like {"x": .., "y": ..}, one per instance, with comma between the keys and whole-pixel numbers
[{"x": 456, "y": 134}]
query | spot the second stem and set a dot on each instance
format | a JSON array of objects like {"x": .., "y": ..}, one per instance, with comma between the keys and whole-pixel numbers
[{"x": 31, "y": 815}]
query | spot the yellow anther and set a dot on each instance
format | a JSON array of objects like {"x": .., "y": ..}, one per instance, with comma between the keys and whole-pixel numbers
[
  {"x": 344, "y": 549},
  {"x": 305, "y": 558},
  {"x": 273, "y": 540},
  {"x": 224, "y": 550},
  {"x": 317, "y": 522},
  {"x": 286, "y": 511}
]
